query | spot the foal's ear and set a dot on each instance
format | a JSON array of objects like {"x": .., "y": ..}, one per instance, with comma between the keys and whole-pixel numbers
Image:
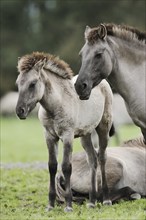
[
  {"x": 102, "y": 31},
  {"x": 87, "y": 30},
  {"x": 38, "y": 66}
]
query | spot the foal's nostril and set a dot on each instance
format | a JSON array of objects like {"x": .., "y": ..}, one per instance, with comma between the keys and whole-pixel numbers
[{"x": 21, "y": 111}]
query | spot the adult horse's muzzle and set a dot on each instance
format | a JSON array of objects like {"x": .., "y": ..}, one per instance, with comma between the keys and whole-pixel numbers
[{"x": 83, "y": 89}]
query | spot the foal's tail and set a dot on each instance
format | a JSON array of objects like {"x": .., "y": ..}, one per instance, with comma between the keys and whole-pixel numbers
[
  {"x": 112, "y": 130},
  {"x": 60, "y": 191}
]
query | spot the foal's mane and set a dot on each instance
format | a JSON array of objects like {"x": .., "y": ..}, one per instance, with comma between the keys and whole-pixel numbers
[
  {"x": 121, "y": 31},
  {"x": 46, "y": 61}
]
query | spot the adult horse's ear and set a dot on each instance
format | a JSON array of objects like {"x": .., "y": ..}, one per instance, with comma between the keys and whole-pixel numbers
[
  {"x": 87, "y": 30},
  {"x": 102, "y": 32}
]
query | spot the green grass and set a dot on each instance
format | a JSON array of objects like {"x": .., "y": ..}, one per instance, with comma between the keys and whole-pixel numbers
[
  {"x": 24, "y": 140},
  {"x": 24, "y": 196},
  {"x": 24, "y": 191}
]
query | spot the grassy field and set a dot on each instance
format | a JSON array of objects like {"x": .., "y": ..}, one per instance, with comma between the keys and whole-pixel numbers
[
  {"x": 24, "y": 191},
  {"x": 24, "y": 196},
  {"x": 23, "y": 140}
]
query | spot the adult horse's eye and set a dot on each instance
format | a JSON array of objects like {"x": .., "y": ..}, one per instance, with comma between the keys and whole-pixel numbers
[
  {"x": 32, "y": 85},
  {"x": 98, "y": 55}
]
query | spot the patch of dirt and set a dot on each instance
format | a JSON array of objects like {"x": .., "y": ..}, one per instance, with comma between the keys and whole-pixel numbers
[{"x": 20, "y": 165}]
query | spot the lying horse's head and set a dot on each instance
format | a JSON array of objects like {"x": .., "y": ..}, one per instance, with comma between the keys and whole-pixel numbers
[{"x": 30, "y": 86}]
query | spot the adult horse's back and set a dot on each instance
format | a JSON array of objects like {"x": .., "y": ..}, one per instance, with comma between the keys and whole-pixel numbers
[{"x": 119, "y": 54}]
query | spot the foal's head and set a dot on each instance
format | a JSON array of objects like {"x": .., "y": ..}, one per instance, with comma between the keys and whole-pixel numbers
[
  {"x": 34, "y": 72},
  {"x": 30, "y": 85}
]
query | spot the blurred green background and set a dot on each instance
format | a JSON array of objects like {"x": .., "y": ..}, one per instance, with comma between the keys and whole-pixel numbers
[
  {"x": 57, "y": 27},
  {"x": 24, "y": 140}
]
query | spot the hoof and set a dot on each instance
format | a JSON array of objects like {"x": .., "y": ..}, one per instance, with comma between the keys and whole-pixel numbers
[
  {"x": 107, "y": 202},
  {"x": 90, "y": 205},
  {"x": 135, "y": 196},
  {"x": 68, "y": 209},
  {"x": 49, "y": 208}
]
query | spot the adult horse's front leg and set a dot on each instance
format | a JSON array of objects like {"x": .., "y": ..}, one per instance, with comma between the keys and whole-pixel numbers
[
  {"x": 52, "y": 166},
  {"x": 67, "y": 170},
  {"x": 103, "y": 141},
  {"x": 92, "y": 159}
]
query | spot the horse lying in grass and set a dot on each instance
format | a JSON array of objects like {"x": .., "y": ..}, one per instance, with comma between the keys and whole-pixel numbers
[
  {"x": 47, "y": 79},
  {"x": 116, "y": 52},
  {"x": 125, "y": 172}
]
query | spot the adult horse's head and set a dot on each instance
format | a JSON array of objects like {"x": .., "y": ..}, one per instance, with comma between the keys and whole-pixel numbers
[
  {"x": 96, "y": 61},
  {"x": 30, "y": 86}
]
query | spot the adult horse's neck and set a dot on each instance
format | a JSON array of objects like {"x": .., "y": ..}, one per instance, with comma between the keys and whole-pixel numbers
[{"x": 128, "y": 74}]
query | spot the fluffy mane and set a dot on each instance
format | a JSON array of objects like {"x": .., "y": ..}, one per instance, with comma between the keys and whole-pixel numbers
[
  {"x": 46, "y": 61},
  {"x": 137, "y": 142},
  {"x": 120, "y": 31}
]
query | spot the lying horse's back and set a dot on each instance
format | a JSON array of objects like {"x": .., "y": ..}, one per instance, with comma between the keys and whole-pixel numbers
[{"x": 132, "y": 161}]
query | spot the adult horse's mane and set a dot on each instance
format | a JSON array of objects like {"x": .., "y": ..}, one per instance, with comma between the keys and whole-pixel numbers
[
  {"x": 46, "y": 61},
  {"x": 121, "y": 31}
]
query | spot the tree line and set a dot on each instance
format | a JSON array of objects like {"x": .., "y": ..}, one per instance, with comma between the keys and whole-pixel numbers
[{"x": 57, "y": 27}]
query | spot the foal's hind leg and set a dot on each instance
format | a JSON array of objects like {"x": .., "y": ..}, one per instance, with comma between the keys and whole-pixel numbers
[
  {"x": 92, "y": 159},
  {"x": 102, "y": 132}
]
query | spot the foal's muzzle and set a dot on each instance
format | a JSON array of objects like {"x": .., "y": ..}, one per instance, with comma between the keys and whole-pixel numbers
[{"x": 21, "y": 112}]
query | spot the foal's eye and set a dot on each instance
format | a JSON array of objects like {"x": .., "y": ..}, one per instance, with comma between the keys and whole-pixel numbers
[{"x": 32, "y": 85}]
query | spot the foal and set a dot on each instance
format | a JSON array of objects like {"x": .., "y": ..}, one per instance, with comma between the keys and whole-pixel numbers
[{"x": 47, "y": 79}]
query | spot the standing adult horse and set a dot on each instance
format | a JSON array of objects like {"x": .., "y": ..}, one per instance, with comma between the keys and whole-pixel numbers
[
  {"x": 47, "y": 79},
  {"x": 118, "y": 53}
]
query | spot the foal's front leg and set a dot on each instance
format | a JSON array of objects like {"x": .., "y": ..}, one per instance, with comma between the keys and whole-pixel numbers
[
  {"x": 52, "y": 166},
  {"x": 92, "y": 159},
  {"x": 67, "y": 170}
]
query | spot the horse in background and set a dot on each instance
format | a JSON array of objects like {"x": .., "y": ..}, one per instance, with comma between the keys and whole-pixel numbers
[
  {"x": 116, "y": 53},
  {"x": 48, "y": 80},
  {"x": 125, "y": 173}
]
